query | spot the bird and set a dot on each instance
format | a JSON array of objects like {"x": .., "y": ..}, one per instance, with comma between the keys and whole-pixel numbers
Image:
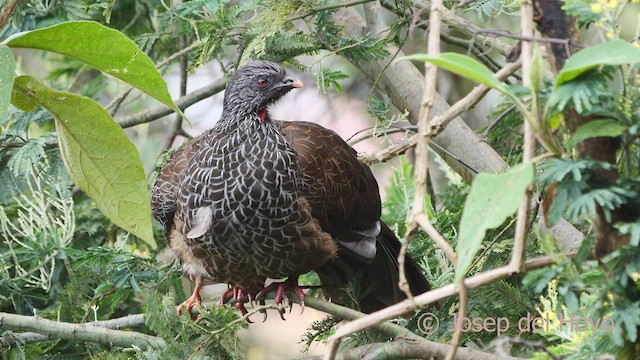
[{"x": 254, "y": 198}]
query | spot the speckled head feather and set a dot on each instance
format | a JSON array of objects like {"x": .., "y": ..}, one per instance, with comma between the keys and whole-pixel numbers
[{"x": 255, "y": 86}]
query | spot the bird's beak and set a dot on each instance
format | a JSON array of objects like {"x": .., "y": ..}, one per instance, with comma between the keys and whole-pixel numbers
[{"x": 293, "y": 83}]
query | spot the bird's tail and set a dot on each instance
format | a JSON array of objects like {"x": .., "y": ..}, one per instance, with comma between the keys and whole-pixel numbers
[{"x": 374, "y": 285}]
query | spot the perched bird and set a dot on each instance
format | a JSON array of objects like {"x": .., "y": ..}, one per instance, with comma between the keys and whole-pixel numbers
[{"x": 254, "y": 198}]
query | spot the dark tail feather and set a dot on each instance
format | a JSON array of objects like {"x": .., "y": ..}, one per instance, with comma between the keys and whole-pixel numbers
[{"x": 378, "y": 283}]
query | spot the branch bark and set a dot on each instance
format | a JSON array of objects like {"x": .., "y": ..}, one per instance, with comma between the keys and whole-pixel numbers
[
  {"x": 435, "y": 295},
  {"x": 184, "y": 102},
  {"x": 403, "y": 83},
  {"x": 80, "y": 332},
  {"x": 6, "y": 12},
  {"x": 407, "y": 349}
]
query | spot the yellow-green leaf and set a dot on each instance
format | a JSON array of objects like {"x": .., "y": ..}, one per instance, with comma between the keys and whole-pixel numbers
[
  {"x": 99, "y": 157},
  {"x": 462, "y": 65},
  {"x": 616, "y": 52},
  {"x": 106, "y": 49},
  {"x": 597, "y": 128},
  {"x": 493, "y": 198}
]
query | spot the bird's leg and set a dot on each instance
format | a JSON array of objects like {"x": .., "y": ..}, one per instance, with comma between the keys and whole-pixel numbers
[
  {"x": 290, "y": 284},
  {"x": 226, "y": 296},
  {"x": 195, "y": 298},
  {"x": 237, "y": 293}
]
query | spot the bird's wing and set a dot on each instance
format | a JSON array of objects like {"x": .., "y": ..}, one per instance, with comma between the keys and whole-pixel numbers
[
  {"x": 164, "y": 193},
  {"x": 341, "y": 190}
]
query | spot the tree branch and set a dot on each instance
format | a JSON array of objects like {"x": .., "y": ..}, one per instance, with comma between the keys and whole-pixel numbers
[
  {"x": 407, "y": 349},
  {"x": 31, "y": 337},
  {"x": 6, "y": 12},
  {"x": 529, "y": 147},
  {"x": 182, "y": 103},
  {"x": 440, "y": 121},
  {"x": 428, "y": 347},
  {"x": 82, "y": 332},
  {"x": 435, "y": 295}
]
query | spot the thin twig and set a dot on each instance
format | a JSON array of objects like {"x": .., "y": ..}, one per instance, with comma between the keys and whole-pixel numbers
[
  {"x": 177, "y": 123},
  {"x": 496, "y": 121},
  {"x": 327, "y": 7},
  {"x": 435, "y": 295},
  {"x": 529, "y": 147},
  {"x": 507, "y": 34},
  {"x": 7, "y": 12},
  {"x": 114, "y": 105},
  {"x": 423, "y": 136},
  {"x": 439, "y": 122},
  {"x": 182, "y": 103}
]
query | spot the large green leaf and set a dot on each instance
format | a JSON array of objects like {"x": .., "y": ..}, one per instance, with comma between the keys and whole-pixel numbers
[
  {"x": 597, "y": 128},
  {"x": 99, "y": 157},
  {"x": 7, "y": 74},
  {"x": 617, "y": 52},
  {"x": 493, "y": 198},
  {"x": 106, "y": 49},
  {"x": 462, "y": 65}
]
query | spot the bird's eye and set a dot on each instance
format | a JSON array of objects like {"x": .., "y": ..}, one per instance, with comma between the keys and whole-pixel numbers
[{"x": 262, "y": 82}]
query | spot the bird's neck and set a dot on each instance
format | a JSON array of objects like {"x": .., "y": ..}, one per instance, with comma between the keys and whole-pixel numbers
[{"x": 244, "y": 121}]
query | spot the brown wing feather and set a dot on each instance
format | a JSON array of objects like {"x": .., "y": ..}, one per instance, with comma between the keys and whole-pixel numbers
[
  {"x": 342, "y": 191},
  {"x": 344, "y": 197}
]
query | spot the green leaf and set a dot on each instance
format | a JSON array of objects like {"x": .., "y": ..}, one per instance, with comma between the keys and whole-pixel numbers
[
  {"x": 617, "y": 52},
  {"x": 99, "y": 157},
  {"x": 536, "y": 75},
  {"x": 462, "y": 65},
  {"x": 493, "y": 198},
  {"x": 106, "y": 49},
  {"x": 597, "y": 128},
  {"x": 7, "y": 74}
]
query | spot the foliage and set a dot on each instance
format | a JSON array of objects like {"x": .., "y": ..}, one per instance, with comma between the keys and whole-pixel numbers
[
  {"x": 493, "y": 8},
  {"x": 62, "y": 256},
  {"x": 501, "y": 191}
]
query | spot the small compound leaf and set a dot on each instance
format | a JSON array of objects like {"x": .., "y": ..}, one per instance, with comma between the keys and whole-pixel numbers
[
  {"x": 99, "y": 157},
  {"x": 597, "y": 128},
  {"x": 7, "y": 74},
  {"x": 493, "y": 198},
  {"x": 106, "y": 49}
]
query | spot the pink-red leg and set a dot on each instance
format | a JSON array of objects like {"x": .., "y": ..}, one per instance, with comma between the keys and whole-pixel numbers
[
  {"x": 236, "y": 293},
  {"x": 290, "y": 284},
  {"x": 193, "y": 300}
]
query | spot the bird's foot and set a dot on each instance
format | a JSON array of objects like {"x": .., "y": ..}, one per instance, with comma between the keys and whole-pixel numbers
[
  {"x": 237, "y": 294},
  {"x": 290, "y": 284},
  {"x": 193, "y": 300}
]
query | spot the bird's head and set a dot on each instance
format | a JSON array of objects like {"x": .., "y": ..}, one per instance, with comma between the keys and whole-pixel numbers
[{"x": 255, "y": 86}]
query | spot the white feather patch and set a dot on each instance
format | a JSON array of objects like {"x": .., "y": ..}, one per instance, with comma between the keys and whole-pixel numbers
[
  {"x": 202, "y": 222},
  {"x": 365, "y": 247}
]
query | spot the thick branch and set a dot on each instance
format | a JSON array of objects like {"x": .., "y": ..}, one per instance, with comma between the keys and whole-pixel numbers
[
  {"x": 404, "y": 349},
  {"x": 403, "y": 83},
  {"x": 440, "y": 122},
  {"x": 80, "y": 332}
]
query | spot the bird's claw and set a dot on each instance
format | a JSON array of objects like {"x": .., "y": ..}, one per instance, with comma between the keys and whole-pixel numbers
[
  {"x": 193, "y": 300},
  {"x": 237, "y": 293},
  {"x": 281, "y": 287}
]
